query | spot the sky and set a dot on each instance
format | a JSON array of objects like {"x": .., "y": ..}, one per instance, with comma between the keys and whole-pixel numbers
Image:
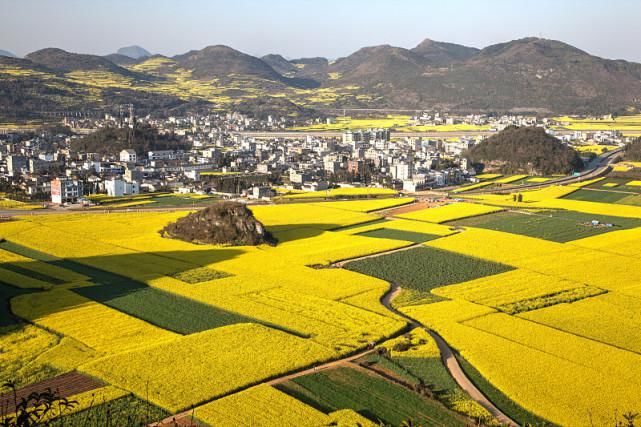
[{"x": 306, "y": 28}]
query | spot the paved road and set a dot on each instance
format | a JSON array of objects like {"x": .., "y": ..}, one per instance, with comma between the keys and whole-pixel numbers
[{"x": 598, "y": 167}]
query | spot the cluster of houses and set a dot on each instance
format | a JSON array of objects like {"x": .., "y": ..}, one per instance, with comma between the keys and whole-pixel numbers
[{"x": 44, "y": 167}]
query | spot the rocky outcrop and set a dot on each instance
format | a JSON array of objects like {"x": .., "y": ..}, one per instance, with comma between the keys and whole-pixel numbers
[{"x": 226, "y": 223}]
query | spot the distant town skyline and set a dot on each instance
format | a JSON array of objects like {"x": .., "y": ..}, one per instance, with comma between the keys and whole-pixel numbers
[{"x": 304, "y": 28}]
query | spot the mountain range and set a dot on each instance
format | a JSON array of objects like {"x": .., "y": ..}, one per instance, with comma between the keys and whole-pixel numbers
[{"x": 527, "y": 75}]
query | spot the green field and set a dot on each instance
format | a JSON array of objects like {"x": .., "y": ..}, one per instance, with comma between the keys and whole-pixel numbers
[
  {"x": 127, "y": 411},
  {"x": 169, "y": 311},
  {"x": 557, "y": 226},
  {"x": 164, "y": 309},
  {"x": 31, "y": 273},
  {"x": 369, "y": 395},
  {"x": 426, "y": 268},
  {"x": 6, "y": 293},
  {"x": 409, "y": 236},
  {"x": 619, "y": 195}
]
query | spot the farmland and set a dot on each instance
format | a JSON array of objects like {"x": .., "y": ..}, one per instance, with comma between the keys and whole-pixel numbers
[
  {"x": 431, "y": 268},
  {"x": 366, "y": 394},
  {"x": 557, "y": 226},
  {"x": 541, "y": 308}
]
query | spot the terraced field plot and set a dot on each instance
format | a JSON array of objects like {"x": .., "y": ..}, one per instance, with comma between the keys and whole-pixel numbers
[
  {"x": 388, "y": 233},
  {"x": 618, "y": 195},
  {"x": 426, "y": 268},
  {"x": 557, "y": 226},
  {"x": 369, "y": 395}
]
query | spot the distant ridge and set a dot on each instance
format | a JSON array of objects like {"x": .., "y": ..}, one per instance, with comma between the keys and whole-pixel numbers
[
  {"x": 7, "y": 53},
  {"x": 134, "y": 52},
  {"x": 529, "y": 75}
]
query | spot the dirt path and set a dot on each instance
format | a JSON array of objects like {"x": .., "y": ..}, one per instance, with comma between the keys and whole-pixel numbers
[
  {"x": 319, "y": 368},
  {"x": 449, "y": 360}
]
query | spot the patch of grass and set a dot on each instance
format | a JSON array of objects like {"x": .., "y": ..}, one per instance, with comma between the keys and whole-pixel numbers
[
  {"x": 370, "y": 396},
  {"x": 164, "y": 309},
  {"x": 6, "y": 293},
  {"x": 199, "y": 275},
  {"x": 588, "y": 195},
  {"x": 558, "y": 226},
  {"x": 510, "y": 408},
  {"x": 31, "y": 273},
  {"x": 389, "y": 233},
  {"x": 127, "y": 411},
  {"x": 426, "y": 268}
]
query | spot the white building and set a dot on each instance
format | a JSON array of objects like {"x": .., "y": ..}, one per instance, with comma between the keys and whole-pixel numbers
[
  {"x": 66, "y": 190},
  {"x": 119, "y": 188},
  {"x": 128, "y": 156},
  {"x": 161, "y": 155},
  {"x": 401, "y": 171}
]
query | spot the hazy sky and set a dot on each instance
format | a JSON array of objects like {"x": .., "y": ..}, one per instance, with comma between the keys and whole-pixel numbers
[{"x": 302, "y": 28}]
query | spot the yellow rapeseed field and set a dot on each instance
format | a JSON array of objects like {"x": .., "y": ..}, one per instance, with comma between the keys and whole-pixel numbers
[
  {"x": 343, "y": 192},
  {"x": 558, "y": 376},
  {"x": 260, "y": 406},
  {"x": 510, "y": 179},
  {"x": 199, "y": 367},
  {"x": 72, "y": 315},
  {"x": 450, "y": 212}
]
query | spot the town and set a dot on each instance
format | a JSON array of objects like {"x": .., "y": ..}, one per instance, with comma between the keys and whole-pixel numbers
[{"x": 232, "y": 155}]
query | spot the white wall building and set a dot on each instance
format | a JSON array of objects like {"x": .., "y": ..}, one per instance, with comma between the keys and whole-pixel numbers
[
  {"x": 128, "y": 156},
  {"x": 119, "y": 188}
]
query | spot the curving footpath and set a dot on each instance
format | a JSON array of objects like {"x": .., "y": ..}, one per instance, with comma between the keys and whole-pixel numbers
[
  {"x": 447, "y": 356},
  {"x": 450, "y": 361}
]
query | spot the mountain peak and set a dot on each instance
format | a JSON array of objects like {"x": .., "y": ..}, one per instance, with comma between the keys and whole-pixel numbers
[
  {"x": 442, "y": 53},
  {"x": 134, "y": 52},
  {"x": 7, "y": 53}
]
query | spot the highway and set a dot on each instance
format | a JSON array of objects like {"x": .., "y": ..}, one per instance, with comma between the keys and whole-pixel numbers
[{"x": 598, "y": 167}]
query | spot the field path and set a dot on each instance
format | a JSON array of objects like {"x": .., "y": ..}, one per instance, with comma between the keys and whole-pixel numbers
[{"x": 447, "y": 356}]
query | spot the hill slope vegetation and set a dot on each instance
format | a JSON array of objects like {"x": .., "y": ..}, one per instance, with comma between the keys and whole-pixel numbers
[
  {"x": 530, "y": 75},
  {"x": 528, "y": 150}
]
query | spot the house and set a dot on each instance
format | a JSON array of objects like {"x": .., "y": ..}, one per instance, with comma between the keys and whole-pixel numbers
[
  {"x": 128, "y": 156},
  {"x": 66, "y": 190},
  {"x": 119, "y": 188}
]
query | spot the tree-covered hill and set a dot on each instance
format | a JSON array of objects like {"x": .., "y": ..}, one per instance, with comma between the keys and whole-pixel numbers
[
  {"x": 111, "y": 140},
  {"x": 528, "y": 150}
]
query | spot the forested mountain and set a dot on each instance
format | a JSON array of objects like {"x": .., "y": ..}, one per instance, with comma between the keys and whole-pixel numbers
[{"x": 528, "y": 75}]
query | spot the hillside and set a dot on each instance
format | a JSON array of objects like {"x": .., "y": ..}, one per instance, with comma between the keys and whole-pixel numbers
[
  {"x": 633, "y": 151},
  {"x": 111, "y": 141},
  {"x": 62, "y": 61},
  {"x": 225, "y": 223},
  {"x": 528, "y": 150},
  {"x": 443, "y": 54},
  {"x": 221, "y": 61},
  {"x": 529, "y": 75}
]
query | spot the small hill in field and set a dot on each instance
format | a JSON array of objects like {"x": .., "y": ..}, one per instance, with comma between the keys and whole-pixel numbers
[
  {"x": 227, "y": 223},
  {"x": 528, "y": 150}
]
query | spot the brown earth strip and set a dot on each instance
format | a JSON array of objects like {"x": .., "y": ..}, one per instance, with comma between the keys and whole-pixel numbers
[{"x": 66, "y": 385}]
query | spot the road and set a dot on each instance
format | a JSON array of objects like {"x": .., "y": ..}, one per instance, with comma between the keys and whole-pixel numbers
[
  {"x": 450, "y": 361},
  {"x": 598, "y": 167}
]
